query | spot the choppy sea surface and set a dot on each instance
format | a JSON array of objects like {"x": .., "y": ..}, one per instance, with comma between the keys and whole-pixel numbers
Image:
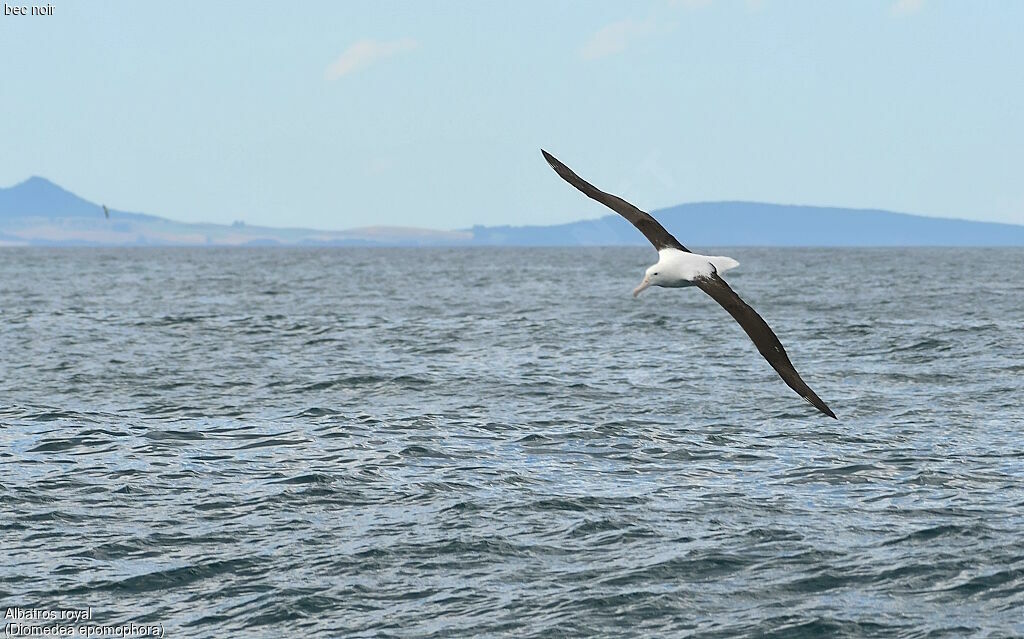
[{"x": 502, "y": 442}]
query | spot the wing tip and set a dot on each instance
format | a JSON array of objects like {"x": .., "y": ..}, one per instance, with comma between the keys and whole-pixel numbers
[
  {"x": 550, "y": 159},
  {"x": 821, "y": 406}
]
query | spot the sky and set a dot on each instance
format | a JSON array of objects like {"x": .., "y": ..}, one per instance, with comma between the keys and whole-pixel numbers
[{"x": 336, "y": 115}]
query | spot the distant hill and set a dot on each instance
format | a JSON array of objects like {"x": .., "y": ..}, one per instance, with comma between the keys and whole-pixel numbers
[
  {"x": 758, "y": 224},
  {"x": 38, "y": 212},
  {"x": 39, "y": 197}
]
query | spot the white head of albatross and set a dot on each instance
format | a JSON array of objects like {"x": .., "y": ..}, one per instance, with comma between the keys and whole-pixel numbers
[{"x": 676, "y": 269}]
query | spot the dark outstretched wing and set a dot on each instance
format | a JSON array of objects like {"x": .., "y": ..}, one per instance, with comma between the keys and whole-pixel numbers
[
  {"x": 647, "y": 225},
  {"x": 106, "y": 213},
  {"x": 762, "y": 336}
]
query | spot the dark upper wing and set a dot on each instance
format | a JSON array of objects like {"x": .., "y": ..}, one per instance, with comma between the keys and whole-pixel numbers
[
  {"x": 647, "y": 225},
  {"x": 106, "y": 213},
  {"x": 762, "y": 336}
]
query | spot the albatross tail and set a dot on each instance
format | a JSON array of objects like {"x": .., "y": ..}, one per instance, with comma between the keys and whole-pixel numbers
[{"x": 722, "y": 263}]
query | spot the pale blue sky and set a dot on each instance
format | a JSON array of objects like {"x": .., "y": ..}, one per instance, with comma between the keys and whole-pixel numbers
[{"x": 343, "y": 114}]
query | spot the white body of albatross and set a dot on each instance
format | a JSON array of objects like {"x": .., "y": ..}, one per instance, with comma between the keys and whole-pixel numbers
[
  {"x": 676, "y": 269},
  {"x": 679, "y": 267}
]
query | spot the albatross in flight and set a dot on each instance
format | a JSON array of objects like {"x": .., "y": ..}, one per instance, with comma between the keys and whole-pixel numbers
[{"x": 679, "y": 267}]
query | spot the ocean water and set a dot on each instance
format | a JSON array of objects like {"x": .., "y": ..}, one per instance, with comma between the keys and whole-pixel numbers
[{"x": 472, "y": 442}]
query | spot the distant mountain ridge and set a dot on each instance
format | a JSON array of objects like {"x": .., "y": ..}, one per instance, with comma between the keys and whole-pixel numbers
[
  {"x": 759, "y": 224},
  {"x": 38, "y": 212},
  {"x": 39, "y": 197}
]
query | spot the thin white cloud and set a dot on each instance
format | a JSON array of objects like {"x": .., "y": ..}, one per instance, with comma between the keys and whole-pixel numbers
[
  {"x": 363, "y": 53},
  {"x": 615, "y": 38},
  {"x": 380, "y": 164},
  {"x": 690, "y": 4},
  {"x": 906, "y": 7}
]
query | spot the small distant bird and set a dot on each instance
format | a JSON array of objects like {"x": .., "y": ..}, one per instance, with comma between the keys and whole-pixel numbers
[
  {"x": 678, "y": 267},
  {"x": 106, "y": 212}
]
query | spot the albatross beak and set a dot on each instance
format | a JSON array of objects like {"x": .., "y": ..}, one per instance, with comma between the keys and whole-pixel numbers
[{"x": 644, "y": 284}]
